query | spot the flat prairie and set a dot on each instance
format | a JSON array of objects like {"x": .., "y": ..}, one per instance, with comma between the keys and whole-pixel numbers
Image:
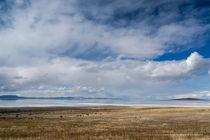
[{"x": 99, "y": 123}]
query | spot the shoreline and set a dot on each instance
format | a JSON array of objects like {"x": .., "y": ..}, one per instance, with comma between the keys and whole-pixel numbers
[{"x": 89, "y": 105}]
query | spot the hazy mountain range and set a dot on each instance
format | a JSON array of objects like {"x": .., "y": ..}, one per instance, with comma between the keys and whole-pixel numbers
[
  {"x": 15, "y": 97},
  {"x": 189, "y": 99}
]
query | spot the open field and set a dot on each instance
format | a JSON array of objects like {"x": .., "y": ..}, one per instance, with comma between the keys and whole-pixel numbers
[{"x": 104, "y": 123}]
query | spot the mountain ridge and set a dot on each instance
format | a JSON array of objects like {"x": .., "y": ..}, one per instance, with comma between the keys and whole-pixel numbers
[
  {"x": 15, "y": 97},
  {"x": 189, "y": 99}
]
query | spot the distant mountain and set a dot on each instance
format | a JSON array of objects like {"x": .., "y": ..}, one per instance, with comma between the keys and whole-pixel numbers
[
  {"x": 15, "y": 97},
  {"x": 10, "y": 97},
  {"x": 189, "y": 99}
]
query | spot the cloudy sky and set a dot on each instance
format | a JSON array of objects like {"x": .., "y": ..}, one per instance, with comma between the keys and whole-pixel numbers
[{"x": 105, "y": 48}]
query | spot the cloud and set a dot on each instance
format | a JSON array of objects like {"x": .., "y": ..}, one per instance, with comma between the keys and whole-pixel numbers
[
  {"x": 181, "y": 69},
  {"x": 198, "y": 94},
  {"x": 116, "y": 73},
  {"x": 64, "y": 91},
  {"x": 98, "y": 44},
  {"x": 63, "y": 28}
]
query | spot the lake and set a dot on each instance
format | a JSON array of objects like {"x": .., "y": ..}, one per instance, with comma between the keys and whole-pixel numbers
[{"x": 96, "y": 102}]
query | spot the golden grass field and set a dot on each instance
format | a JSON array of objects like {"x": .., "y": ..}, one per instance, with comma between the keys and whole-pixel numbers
[{"x": 116, "y": 123}]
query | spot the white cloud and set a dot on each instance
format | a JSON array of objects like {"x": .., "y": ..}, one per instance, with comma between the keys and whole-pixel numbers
[
  {"x": 198, "y": 94},
  {"x": 64, "y": 91},
  {"x": 180, "y": 69},
  {"x": 117, "y": 73}
]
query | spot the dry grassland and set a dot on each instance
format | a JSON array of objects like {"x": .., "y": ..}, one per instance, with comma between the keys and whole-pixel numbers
[{"x": 116, "y": 123}]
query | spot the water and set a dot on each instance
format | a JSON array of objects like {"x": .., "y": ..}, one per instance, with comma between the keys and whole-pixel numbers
[{"x": 97, "y": 102}]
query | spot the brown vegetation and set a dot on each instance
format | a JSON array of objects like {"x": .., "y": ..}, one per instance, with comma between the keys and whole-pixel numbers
[{"x": 105, "y": 123}]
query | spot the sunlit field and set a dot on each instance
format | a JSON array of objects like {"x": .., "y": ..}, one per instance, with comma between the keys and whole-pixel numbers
[{"x": 105, "y": 123}]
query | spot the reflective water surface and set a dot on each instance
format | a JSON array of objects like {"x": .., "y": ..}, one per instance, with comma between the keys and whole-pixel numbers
[{"x": 96, "y": 102}]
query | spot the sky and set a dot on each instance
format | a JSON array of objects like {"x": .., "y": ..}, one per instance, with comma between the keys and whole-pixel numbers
[{"x": 142, "y": 49}]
